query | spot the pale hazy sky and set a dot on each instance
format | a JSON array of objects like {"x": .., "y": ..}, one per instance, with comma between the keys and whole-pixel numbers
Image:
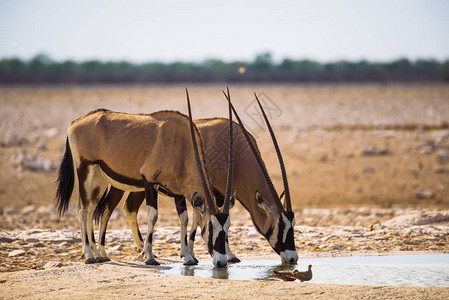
[{"x": 194, "y": 30}]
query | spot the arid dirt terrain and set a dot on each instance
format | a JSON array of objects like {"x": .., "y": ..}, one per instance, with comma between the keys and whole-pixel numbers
[{"x": 368, "y": 167}]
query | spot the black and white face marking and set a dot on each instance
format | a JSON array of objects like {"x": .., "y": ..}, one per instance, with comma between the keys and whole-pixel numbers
[
  {"x": 281, "y": 237},
  {"x": 215, "y": 235}
]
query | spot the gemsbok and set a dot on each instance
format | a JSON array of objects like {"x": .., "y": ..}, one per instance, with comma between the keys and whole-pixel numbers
[
  {"x": 254, "y": 190},
  {"x": 150, "y": 153}
]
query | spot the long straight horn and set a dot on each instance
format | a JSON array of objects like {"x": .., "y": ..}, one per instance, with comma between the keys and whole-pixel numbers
[
  {"x": 256, "y": 155},
  {"x": 211, "y": 203},
  {"x": 281, "y": 161},
  {"x": 227, "y": 199}
]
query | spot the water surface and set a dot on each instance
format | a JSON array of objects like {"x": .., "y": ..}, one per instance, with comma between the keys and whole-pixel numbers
[{"x": 393, "y": 270}]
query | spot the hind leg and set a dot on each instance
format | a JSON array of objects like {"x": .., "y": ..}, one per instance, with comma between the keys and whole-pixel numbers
[
  {"x": 111, "y": 201},
  {"x": 92, "y": 186},
  {"x": 131, "y": 207},
  {"x": 151, "y": 200}
]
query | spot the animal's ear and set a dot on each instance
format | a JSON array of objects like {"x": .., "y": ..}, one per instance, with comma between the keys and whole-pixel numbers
[
  {"x": 262, "y": 203},
  {"x": 232, "y": 200},
  {"x": 282, "y": 198},
  {"x": 198, "y": 202},
  {"x": 259, "y": 199}
]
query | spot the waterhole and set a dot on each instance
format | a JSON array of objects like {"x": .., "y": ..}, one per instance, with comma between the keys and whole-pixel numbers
[{"x": 393, "y": 270}]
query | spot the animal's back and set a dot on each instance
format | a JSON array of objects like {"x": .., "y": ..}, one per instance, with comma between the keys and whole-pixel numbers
[{"x": 122, "y": 141}]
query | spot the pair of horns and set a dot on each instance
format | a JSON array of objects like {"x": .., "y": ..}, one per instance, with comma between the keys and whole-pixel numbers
[
  {"x": 286, "y": 193},
  {"x": 209, "y": 199}
]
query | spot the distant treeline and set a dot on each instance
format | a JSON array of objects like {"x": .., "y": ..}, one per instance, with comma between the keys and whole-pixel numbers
[{"x": 41, "y": 69}]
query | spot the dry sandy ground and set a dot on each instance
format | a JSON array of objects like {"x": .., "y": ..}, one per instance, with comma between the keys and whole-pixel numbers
[
  {"x": 52, "y": 268},
  {"x": 368, "y": 168},
  {"x": 128, "y": 280}
]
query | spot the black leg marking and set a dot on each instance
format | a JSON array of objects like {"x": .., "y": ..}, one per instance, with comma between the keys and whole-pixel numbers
[
  {"x": 210, "y": 245},
  {"x": 150, "y": 195},
  {"x": 140, "y": 234},
  {"x": 103, "y": 238},
  {"x": 93, "y": 237},
  {"x": 180, "y": 202},
  {"x": 192, "y": 235},
  {"x": 151, "y": 201}
]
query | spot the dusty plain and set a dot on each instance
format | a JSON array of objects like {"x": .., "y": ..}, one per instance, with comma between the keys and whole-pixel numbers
[{"x": 368, "y": 167}]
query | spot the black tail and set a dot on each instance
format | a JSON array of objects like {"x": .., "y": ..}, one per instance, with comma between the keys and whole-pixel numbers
[
  {"x": 101, "y": 206},
  {"x": 65, "y": 181}
]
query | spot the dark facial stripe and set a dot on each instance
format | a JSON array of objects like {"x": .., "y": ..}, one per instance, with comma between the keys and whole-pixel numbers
[
  {"x": 219, "y": 244},
  {"x": 210, "y": 245},
  {"x": 268, "y": 234},
  {"x": 289, "y": 241},
  {"x": 279, "y": 247},
  {"x": 290, "y": 215},
  {"x": 222, "y": 218}
]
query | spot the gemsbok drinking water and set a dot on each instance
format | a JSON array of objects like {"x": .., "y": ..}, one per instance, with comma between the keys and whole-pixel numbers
[
  {"x": 162, "y": 151},
  {"x": 254, "y": 190}
]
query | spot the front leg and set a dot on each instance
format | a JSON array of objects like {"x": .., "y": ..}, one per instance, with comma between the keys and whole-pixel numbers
[
  {"x": 193, "y": 234},
  {"x": 181, "y": 208},
  {"x": 151, "y": 201},
  {"x": 232, "y": 258}
]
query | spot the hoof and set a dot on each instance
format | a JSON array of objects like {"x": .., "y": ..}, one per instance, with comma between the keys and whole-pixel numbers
[
  {"x": 90, "y": 261},
  {"x": 103, "y": 259},
  {"x": 234, "y": 260},
  {"x": 191, "y": 263},
  {"x": 152, "y": 262},
  {"x": 100, "y": 260}
]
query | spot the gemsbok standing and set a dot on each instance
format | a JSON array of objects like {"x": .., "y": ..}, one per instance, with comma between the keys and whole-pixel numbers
[
  {"x": 255, "y": 190},
  {"x": 162, "y": 151}
]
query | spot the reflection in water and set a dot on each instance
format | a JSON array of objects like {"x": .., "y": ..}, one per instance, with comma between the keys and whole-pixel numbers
[
  {"x": 188, "y": 271},
  {"x": 405, "y": 270},
  {"x": 258, "y": 270},
  {"x": 220, "y": 273}
]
